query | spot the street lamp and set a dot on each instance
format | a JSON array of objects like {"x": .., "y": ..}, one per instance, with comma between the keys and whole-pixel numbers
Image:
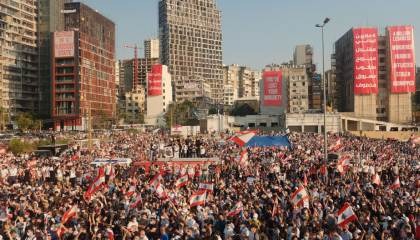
[{"x": 326, "y": 20}]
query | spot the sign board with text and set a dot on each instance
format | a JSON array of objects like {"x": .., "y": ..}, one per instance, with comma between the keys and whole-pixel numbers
[
  {"x": 365, "y": 47},
  {"x": 401, "y": 52},
  {"x": 64, "y": 44},
  {"x": 272, "y": 82},
  {"x": 154, "y": 81}
]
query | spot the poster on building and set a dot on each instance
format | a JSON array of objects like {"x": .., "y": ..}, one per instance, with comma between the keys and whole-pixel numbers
[
  {"x": 365, "y": 42},
  {"x": 401, "y": 49},
  {"x": 272, "y": 96},
  {"x": 154, "y": 81},
  {"x": 64, "y": 44}
]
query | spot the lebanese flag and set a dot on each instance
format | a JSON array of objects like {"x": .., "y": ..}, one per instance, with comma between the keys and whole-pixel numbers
[
  {"x": 243, "y": 137},
  {"x": 243, "y": 160},
  {"x": 160, "y": 192},
  {"x": 155, "y": 181},
  {"x": 238, "y": 208},
  {"x": 96, "y": 185},
  {"x": 69, "y": 214},
  {"x": 208, "y": 187},
  {"x": 130, "y": 191},
  {"x": 345, "y": 215},
  {"x": 198, "y": 198},
  {"x": 336, "y": 146},
  {"x": 136, "y": 201},
  {"x": 299, "y": 197},
  {"x": 61, "y": 230},
  {"x": 396, "y": 184},
  {"x": 182, "y": 181},
  {"x": 376, "y": 179},
  {"x": 110, "y": 233},
  {"x": 343, "y": 164}
]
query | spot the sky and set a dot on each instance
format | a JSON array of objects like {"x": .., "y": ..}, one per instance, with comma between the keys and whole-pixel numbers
[{"x": 261, "y": 32}]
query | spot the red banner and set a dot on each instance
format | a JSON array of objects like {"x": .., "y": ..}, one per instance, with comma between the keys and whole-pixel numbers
[
  {"x": 365, "y": 54},
  {"x": 154, "y": 81},
  {"x": 401, "y": 47},
  {"x": 272, "y": 88}
]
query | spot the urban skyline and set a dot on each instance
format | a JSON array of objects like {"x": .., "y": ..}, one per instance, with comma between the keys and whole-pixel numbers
[{"x": 259, "y": 45}]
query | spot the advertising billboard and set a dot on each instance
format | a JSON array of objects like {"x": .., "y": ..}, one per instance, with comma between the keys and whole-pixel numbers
[
  {"x": 64, "y": 44},
  {"x": 401, "y": 47},
  {"x": 154, "y": 81},
  {"x": 272, "y": 81},
  {"x": 365, "y": 47}
]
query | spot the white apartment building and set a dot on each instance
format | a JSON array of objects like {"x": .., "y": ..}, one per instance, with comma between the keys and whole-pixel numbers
[{"x": 158, "y": 102}]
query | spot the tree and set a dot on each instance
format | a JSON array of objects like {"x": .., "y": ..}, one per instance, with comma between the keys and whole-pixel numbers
[
  {"x": 24, "y": 121},
  {"x": 181, "y": 113},
  {"x": 242, "y": 110}
]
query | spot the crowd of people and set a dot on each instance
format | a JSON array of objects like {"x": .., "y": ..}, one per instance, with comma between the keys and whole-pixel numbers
[{"x": 251, "y": 193}]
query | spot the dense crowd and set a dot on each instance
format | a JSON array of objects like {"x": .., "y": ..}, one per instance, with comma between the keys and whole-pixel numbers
[{"x": 252, "y": 195}]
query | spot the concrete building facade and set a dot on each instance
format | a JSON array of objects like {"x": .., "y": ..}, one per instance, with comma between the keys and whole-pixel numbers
[
  {"x": 83, "y": 68},
  {"x": 144, "y": 66},
  {"x": 19, "y": 56},
  {"x": 381, "y": 106},
  {"x": 191, "y": 46},
  {"x": 157, "y": 105},
  {"x": 297, "y": 79},
  {"x": 135, "y": 104},
  {"x": 152, "y": 48}
]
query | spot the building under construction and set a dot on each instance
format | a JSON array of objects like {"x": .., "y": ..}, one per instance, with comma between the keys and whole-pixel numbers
[
  {"x": 83, "y": 69},
  {"x": 191, "y": 46}
]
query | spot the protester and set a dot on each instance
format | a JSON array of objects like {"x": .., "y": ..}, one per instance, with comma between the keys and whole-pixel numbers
[{"x": 369, "y": 192}]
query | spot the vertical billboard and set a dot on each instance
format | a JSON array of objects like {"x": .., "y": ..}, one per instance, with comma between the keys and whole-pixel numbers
[
  {"x": 365, "y": 47},
  {"x": 64, "y": 44},
  {"x": 154, "y": 81},
  {"x": 272, "y": 82},
  {"x": 402, "y": 59}
]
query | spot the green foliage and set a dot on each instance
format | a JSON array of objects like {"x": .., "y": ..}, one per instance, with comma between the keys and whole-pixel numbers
[
  {"x": 17, "y": 146},
  {"x": 24, "y": 121},
  {"x": 242, "y": 110},
  {"x": 181, "y": 113},
  {"x": 212, "y": 111}
]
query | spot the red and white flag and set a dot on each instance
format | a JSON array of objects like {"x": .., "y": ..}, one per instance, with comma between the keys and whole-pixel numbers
[
  {"x": 61, "y": 230},
  {"x": 243, "y": 137},
  {"x": 345, "y": 215},
  {"x": 238, "y": 208},
  {"x": 396, "y": 184},
  {"x": 110, "y": 234},
  {"x": 198, "y": 198},
  {"x": 96, "y": 185},
  {"x": 161, "y": 192},
  {"x": 336, "y": 146},
  {"x": 130, "y": 191},
  {"x": 208, "y": 187},
  {"x": 376, "y": 179},
  {"x": 343, "y": 164},
  {"x": 135, "y": 201},
  {"x": 182, "y": 181},
  {"x": 300, "y": 197},
  {"x": 243, "y": 160},
  {"x": 69, "y": 214},
  {"x": 155, "y": 181}
]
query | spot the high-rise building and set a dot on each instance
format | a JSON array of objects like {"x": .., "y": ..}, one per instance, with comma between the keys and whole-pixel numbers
[
  {"x": 19, "y": 82},
  {"x": 239, "y": 82},
  {"x": 50, "y": 19},
  {"x": 151, "y": 48},
  {"x": 83, "y": 68},
  {"x": 191, "y": 46},
  {"x": 375, "y": 74},
  {"x": 230, "y": 84},
  {"x": 144, "y": 66},
  {"x": 303, "y": 55},
  {"x": 293, "y": 89},
  {"x": 255, "y": 84}
]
